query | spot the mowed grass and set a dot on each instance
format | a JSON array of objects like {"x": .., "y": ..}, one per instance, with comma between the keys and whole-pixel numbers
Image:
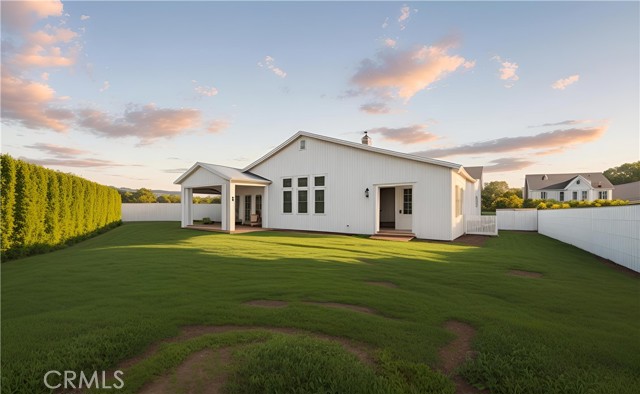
[{"x": 88, "y": 307}]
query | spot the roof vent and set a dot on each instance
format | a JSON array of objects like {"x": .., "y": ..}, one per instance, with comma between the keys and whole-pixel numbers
[
  {"x": 545, "y": 177},
  {"x": 366, "y": 140}
]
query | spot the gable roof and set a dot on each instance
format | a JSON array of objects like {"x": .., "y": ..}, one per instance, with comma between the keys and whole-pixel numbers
[
  {"x": 361, "y": 146},
  {"x": 475, "y": 172},
  {"x": 224, "y": 172},
  {"x": 560, "y": 181}
]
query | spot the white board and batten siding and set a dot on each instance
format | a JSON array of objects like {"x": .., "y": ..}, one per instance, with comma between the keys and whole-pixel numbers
[
  {"x": 609, "y": 232},
  {"x": 154, "y": 212},
  {"x": 517, "y": 219},
  {"x": 348, "y": 173}
]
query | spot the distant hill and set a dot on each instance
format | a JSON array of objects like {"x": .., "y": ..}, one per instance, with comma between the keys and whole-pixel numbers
[{"x": 155, "y": 192}]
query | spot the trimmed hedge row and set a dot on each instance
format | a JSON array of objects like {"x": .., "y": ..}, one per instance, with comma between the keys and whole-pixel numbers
[{"x": 43, "y": 209}]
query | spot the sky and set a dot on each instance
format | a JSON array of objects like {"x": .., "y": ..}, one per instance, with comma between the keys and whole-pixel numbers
[{"x": 131, "y": 94}]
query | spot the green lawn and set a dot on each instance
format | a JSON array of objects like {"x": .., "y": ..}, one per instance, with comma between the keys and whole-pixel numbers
[{"x": 87, "y": 307}]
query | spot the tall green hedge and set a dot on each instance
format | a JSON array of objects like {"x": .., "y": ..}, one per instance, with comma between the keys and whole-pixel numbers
[{"x": 43, "y": 209}]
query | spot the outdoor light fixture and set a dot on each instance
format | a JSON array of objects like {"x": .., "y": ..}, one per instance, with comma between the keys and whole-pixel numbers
[{"x": 366, "y": 192}]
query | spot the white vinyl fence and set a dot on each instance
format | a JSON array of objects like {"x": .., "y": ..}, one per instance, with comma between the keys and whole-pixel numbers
[
  {"x": 483, "y": 225},
  {"x": 154, "y": 212},
  {"x": 609, "y": 232},
  {"x": 517, "y": 219}
]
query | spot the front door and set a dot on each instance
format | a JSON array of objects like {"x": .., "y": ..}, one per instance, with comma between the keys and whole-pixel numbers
[
  {"x": 387, "y": 208},
  {"x": 404, "y": 208}
]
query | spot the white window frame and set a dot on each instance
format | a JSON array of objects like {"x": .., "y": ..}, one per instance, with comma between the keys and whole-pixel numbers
[
  {"x": 561, "y": 197},
  {"x": 574, "y": 195},
  {"x": 298, "y": 190},
  {"x": 302, "y": 145},
  {"x": 605, "y": 193},
  {"x": 543, "y": 195},
  {"x": 287, "y": 189},
  {"x": 585, "y": 195}
]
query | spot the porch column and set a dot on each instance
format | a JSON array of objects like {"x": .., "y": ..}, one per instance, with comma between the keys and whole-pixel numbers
[
  {"x": 376, "y": 207},
  {"x": 265, "y": 207},
  {"x": 186, "y": 201},
  {"x": 228, "y": 207}
]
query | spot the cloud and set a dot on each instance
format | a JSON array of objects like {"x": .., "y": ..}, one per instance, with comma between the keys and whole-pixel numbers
[
  {"x": 405, "y": 135},
  {"x": 405, "y": 73},
  {"x": 29, "y": 104},
  {"x": 561, "y": 84},
  {"x": 19, "y": 16},
  {"x": 405, "y": 13},
  {"x": 375, "y": 108},
  {"x": 564, "y": 123},
  {"x": 217, "y": 126},
  {"x": 84, "y": 17},
  {"x": 57, "y": 150},
  {"x": 105, "y": 86},
  {"x": 548, "y": 140},
  {"x": 147, "y": 123},
  {"x": 269, "y": 63},
  {"x": 385, "y": 23},
  {"x": 390, "y": 42},
  {"x": 208, "y": 91},
  {"x": 507, "y": 71},
  {"x": 507, "y": 164},
  {"x": 73, "y": 162},
  {"x": 175, "y": 170},
  {"x": 44, "y": 76}
]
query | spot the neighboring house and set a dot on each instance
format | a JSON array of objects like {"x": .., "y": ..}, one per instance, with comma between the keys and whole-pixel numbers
[
  {"x": 317, "y": 183},
  {"x": 627, "y": 191},
  {"x": 586, "y": 186}
]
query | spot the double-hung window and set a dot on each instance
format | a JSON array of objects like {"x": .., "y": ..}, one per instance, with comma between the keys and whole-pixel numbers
[
  {"x": 574, "y": 196},
  {"x": 287, "y": 203},
  {"x": 407, "y": 201},
  {"x": 603, "y": 195},
  {"x": 584, "y": 195},
  {"x": 543, "y": 195},
  {"x": 303, "y": 195},
  {"x": 561, "y": 196}
]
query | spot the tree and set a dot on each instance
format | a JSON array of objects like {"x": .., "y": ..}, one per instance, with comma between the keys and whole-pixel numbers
[
  {"x": 144, "y": 195},
  {"x": 491, "y": 191},
  {"x": 625, "y": 173}
]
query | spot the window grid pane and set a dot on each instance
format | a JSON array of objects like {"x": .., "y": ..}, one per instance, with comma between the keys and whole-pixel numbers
[
  {"x": 407, "y": 203},
  {"x": 319, "y": 181},
  {"x": 286, "y": 182},
  {"x": 286, "y": 198},
  {"x": 247, "y": 208},
  {"x": 303, "y": 182},
  {"x": 302, "y": 201},
  {"x": 319, "y": 201}
]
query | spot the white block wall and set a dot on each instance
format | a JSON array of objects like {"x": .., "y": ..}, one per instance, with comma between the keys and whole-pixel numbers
[
  {"x": 609, "y": 232},
  {"x": 154, "y": 212},
  {"x": 517, "y": 219}
]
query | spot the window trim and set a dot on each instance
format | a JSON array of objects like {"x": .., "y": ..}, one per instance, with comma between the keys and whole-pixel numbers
[
  {"x": 284, "y": 212},
  {"x": 543, "y": 195},
  {"x": 561, "y": 197},
  {"x": 247, "y": 215},
  {"x": 288, "y": 178},
  {"x": 585, "y": 195},
  {"x": 306, "y": 190},
  {"x": 302, "y": 144},
  {"x": 574, "y": 195},
  {"x": 404, "y": 200}
]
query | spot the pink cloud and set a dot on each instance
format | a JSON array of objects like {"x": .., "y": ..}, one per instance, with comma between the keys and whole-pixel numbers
[
  {"x": 57, "y": 150},
  {"x": 269, "y": 63},
  {"x": 21, "y": 15},
  {"x": 561, "y": 84},
  {"x": 375, "y": 108},
  {"x": 413, "y": 134},
  {"x": 390, "y": 42},
  {"x": 507, "y": 164},
  {"x": 147, "y": 123},
  {"x": 407, "y": 72},
  {"x": 508, "y": 71},
  {"x": 28, "y": 103},
  {"x": 217, "y": 126},
  {"x": 548, "y": 140},
  {"x": 83, "y": 163}
]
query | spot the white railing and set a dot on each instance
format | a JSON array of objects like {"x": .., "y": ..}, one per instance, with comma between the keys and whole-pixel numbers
[
  {"x": 153, "y": 212},
  {"x": 483, "y": 225},
  {"x": 517, "y": 219}
]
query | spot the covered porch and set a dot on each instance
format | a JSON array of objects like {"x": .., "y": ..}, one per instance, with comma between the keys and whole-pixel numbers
[{"x": 242, "y": 196}]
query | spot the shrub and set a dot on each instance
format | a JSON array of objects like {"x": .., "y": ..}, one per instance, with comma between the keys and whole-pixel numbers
[
  {"x": 206, "y": 221},
  {"x": 44, "y": 209}
]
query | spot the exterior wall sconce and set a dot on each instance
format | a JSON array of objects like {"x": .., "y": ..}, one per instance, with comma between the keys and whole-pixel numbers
[
  {"x": 232, "y": 198},
  {"x": 366, "y": 192}
]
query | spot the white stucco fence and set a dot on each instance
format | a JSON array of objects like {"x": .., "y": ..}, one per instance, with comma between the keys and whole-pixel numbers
[
  {"x": 609, "y": 232},
  {"x": 517, "y": 219},
  {"x": 154, "y": 212}
]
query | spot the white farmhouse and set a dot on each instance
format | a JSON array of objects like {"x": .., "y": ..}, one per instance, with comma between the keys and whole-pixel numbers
[
  {"x": 317, "y": 183},
  {"x": 586, "y": 186}
]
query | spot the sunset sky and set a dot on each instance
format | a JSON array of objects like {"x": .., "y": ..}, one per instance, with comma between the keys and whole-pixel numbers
[{"x": 130, "y": 94}]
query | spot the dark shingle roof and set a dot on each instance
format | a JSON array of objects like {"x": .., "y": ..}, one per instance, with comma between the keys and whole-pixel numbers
[
  {"x": 560, "y": 181},
  {"x": 627, "y": 191}
]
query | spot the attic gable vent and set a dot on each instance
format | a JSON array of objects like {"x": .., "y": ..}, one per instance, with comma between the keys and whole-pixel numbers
[{"x": 545, "y": 177}]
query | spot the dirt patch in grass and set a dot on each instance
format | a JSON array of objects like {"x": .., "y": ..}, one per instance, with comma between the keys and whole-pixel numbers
[
  {"x": 472, "y": 240},
  {"x": 361, "y": 351},
  {"x": 456, "y": 352},
  {"x": 526, "y": 274},
  {"x": 203, "y": 372},
  {"x": 267, "y": 303},
  {"x": 618, "y": 267},
  {"x": 382, "y": 284},
  {"x": 356, "y": 308}
]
